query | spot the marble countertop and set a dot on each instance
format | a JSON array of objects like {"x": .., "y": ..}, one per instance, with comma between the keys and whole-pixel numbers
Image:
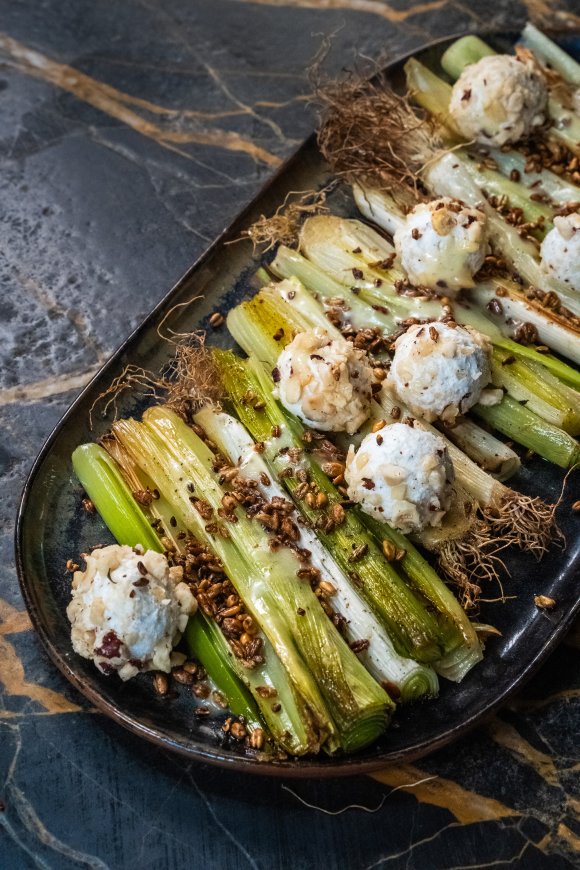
[{"x": 130, "y": 135}]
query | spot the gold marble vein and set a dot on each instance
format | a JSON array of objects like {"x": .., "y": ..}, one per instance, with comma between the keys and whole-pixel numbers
[
  {"x": 43, "y": 389},
  {"x": 528, "y": 705},
  {"x": 170, "y": 131},
  {"x": 509, "y": 738},
  {"x": 545, "y": 13},
  {"x": 466, "y": 806},
  {"x": 383, "y": 10},
  {"x": 572, "y": 839},
  {"x": 12, "y": 674}
]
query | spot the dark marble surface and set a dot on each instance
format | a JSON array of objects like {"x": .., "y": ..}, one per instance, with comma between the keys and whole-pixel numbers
[{"x": 130, "y": 135}]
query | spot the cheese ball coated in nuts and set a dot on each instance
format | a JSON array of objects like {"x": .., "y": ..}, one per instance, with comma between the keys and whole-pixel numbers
[
  {"x": 442, "y": 244},
  {"x": 439, "y": 371},
  {"x": 128, "y": 610},
  {"x": 403, "y": 477},
  {"x": 560, "y": 251},
  {"x": 499, "y": 100},
  {"x": 325, "y": 381}
]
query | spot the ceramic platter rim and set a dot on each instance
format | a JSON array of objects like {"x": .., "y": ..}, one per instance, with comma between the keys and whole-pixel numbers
[{"x": 204, "y": 750}]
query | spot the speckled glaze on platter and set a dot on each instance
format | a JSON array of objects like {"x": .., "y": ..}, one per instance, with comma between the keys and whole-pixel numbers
[{"x": 51, "y": 528}]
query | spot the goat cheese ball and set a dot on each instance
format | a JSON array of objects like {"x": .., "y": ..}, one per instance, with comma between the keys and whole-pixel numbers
[
  {"x": 402, "y": 476},
  {"x": 442, "y": 244},
  {"x": 128, "y": 610},
  {"x": 499, "y": 100},
  {"x": 439, "y": 371},
  {"x": 560, "y": 251},
  {"x": 325, "y": 381}
]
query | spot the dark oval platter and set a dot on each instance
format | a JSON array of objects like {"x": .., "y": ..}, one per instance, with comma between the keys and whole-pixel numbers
[{"x": 52, "y": 528}]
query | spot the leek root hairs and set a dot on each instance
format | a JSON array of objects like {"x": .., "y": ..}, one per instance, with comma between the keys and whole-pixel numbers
[
  {"x": 468, "y": 562},
  {"x": 134, "y": 378},
  {"x": 193, "y": 380},
  {"x": 369, "y": 132},
  {"x": 283, "y": 227},
  {"x": 528, "y": 522}
]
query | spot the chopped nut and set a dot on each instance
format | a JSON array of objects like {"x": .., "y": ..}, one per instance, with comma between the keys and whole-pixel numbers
[
  {"x": 358, "y": 646},
  {"x": 181, "y": 676},
  {"x": 201, "y": 690},
  {"x": 237, "y": 730},
  {"x": 338, "y": 513},
  {"x": 161, "y": 683},
  {"x": 257, "y": 739},
  {"x": 266, "y": 691},
  {"x": 389, "y": 550},
  {"x": 543, "y": 602},
  {"x": 358, "y": 553},
  {"x": 495, "y": 306},
  {"x": 219, "y": 699},
  {"x": 143, "y": 496},
  {"x": 333, "y": 469},
  {"x": 201, "y": 711}
]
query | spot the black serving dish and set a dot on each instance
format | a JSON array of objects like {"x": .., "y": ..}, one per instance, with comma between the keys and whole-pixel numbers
[{"x": 52, "y": 528}]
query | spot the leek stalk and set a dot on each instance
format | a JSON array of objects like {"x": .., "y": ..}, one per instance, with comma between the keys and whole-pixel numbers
[
  {"x": 543, "y": 394},
  {"x": 106, "y": 488},
  {"x": 491, "y": 454},
  {"x": 522, "y": 425},
  {"x": 551, "y": 54}
]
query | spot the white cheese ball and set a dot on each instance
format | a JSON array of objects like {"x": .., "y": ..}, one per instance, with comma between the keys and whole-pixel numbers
[
  {"x": 560, "y": 251},
  {"x": 442, "y": 244},
  {"x": 128, "y": 610},
  {"x": 325, "y": 381},
  {"x": 439, "y": 371},
  {"x": 499, "y": 100},
  {"x": 402, "y": 476}
]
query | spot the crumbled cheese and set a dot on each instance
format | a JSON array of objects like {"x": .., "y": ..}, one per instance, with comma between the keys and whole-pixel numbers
[
  {"x": 499, "y": 100},
  {"x": 402, "y": 476},
  {"x": 442, "y": 244},
  {"x": 560, "y": 251},
  {"x": 128, "y": 610},
  {"x": 439, "y": 371},
  {"x": 325, "y": 382}
]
